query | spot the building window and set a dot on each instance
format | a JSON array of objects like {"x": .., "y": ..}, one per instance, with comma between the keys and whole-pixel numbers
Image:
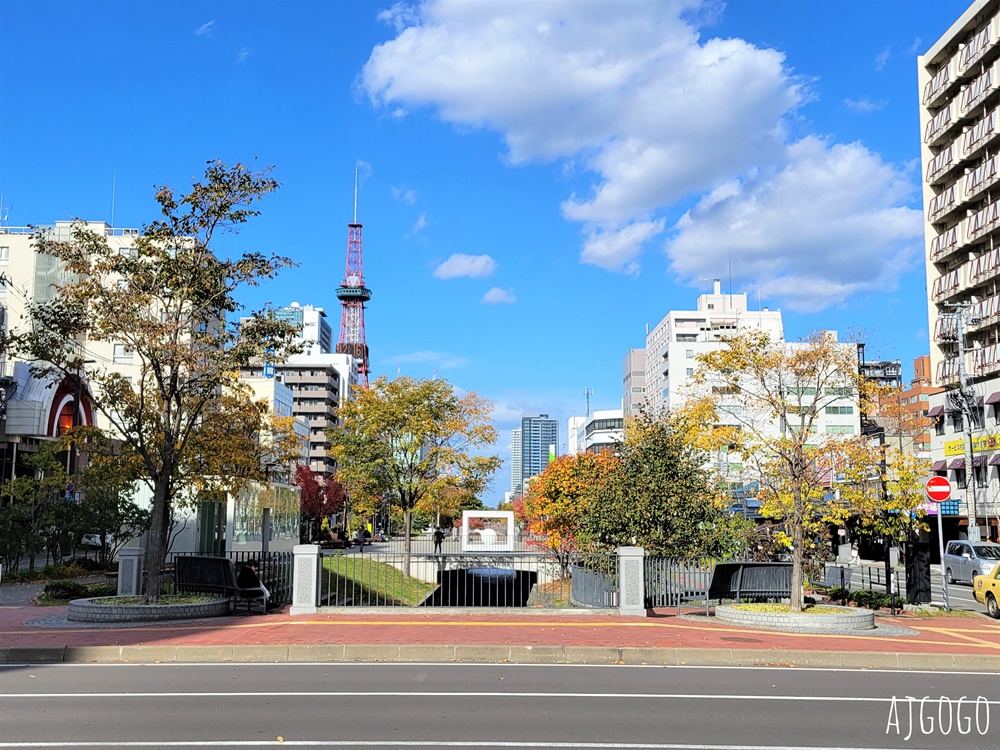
[
  {"x": 840, "y": 429},
  {"x": 957, "y": 423},
  {"x": 939, "y": 426},
  {"x": 690, "y": 371},
  {"x": 122, "y": 355},
  {"x": 840, "y": 410},
  {"x": 4, "y": 254},
  {"x": 689, "y": 354},
  {"x": 960, "y": 479}
]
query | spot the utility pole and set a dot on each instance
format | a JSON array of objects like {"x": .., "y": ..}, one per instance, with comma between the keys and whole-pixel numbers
[{"x": 966, "y": 405}]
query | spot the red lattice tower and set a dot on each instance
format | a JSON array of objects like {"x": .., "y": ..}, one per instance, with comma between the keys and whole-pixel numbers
[{"x": 353, "y": 294}]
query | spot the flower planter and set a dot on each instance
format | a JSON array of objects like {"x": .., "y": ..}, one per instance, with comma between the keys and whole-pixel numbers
[
  {"x": 847, "y": 618},
  {"x": 104, "y": 609}
]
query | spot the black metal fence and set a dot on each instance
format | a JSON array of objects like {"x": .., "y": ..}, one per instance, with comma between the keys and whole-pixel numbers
[
  {"x": 467, "y": 580},
  {"x": 670, "y": 582},
  {"x": 275, "y": 570}
]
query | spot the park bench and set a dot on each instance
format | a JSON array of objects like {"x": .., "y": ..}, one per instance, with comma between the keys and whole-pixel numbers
[
  {"x": 215, "y": 575},
  {"x": 751, "y": 580}
]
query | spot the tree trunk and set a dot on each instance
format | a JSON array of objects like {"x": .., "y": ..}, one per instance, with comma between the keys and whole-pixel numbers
[
  {"x": 158, "y": 530},
  {"x": 406, "y": 541},
  {"x": 795, "y": 599}
]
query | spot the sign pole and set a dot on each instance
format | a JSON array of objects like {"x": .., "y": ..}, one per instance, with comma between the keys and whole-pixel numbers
[
  {"x": 944, "y": 578},
  {"x": 938, "y": 489}
]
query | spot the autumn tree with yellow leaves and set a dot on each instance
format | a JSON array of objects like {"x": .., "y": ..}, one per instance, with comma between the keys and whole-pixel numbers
[
  {"x": 765, "y": 400},
  {"x": 407, "y": 439},
  {"x": 556, "y": 503}
]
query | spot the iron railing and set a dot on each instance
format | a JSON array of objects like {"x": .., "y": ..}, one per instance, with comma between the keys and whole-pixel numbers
[
  {"x": 670, "y": 582},
  {"x": 505, "y": 580},
  {"x": 275, "y": 570}
]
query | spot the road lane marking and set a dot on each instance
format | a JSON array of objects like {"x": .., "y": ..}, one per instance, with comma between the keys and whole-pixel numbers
[
  {"x": 230, "y": 694},
  {"x": 430, "y": 743}
]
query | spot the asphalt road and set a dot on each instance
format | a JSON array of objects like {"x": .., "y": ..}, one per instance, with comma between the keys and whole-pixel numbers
[{"x": 493, "y": 706}]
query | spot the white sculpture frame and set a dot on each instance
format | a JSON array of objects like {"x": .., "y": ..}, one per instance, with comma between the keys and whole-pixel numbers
[{"x": 507, "y": 546}]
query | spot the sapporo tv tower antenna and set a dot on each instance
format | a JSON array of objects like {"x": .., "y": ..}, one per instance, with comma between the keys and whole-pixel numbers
[{"x": 353, "y": 294}]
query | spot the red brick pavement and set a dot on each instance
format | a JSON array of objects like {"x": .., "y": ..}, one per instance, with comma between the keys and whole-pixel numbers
[{"x": 944, "y": 635}]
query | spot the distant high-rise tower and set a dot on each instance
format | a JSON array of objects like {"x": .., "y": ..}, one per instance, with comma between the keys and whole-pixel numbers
[
  {"x": 533, "y": 445},
  {"x": 353, "y": 294}
]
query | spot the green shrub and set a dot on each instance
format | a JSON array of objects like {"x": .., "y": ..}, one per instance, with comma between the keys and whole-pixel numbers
[
  {"x": 870, "y": 599},
  {"x": 102, "y": 589},
  {"x": 85, "y": 563},
  {"x": 838, "y": 594}
]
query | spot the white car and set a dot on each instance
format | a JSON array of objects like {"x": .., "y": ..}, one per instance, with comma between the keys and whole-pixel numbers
[
  {"x": 94, "y": 540},
  {"x": 964, "y": 560}
]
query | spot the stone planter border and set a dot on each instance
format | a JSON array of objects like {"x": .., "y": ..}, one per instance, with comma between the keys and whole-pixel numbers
[
  {"x": 101, "y": 609},
  {"x": 849, "y": 618}
]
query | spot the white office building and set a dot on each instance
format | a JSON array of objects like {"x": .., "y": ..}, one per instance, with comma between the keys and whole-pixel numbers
[
  {"x": 597, "y": 432},
  {"x": 672, "y": 347}
]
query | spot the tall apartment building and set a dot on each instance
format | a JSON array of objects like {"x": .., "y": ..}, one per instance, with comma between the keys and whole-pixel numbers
[
  {"x": 959, "y": 90},
  {"x": 633, "y": 381},
  {"x": 319, "y": 385},
  {"x": 672, "y": 347},
  {"x": 315, "y": 333},
  {"x": 533, "y": 445}
]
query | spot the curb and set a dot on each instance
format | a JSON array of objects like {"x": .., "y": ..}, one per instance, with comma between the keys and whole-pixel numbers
[{"x": 494, "y": 654}]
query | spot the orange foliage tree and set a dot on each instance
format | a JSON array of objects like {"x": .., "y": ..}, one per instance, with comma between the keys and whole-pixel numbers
[{"x": 555, "y": 503}]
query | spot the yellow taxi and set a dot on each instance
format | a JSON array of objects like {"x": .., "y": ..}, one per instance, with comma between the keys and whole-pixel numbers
[{"x": 986, "y": 589}]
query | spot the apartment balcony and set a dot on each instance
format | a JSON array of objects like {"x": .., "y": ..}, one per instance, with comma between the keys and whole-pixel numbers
[
  {"x": 941, "y": 125},
  {"x": 981, "y": 44},
  {"x": 311, "y": 410},
  {"x": 941, "y": 165},
  {"x": 945, "y": 244},
  {"x": 945, "y": 329},
  {"x": 986, "y": 312},
  {"x": 984, "y": 267},
  {"x": 947, "y": 286},
  {"x": 943, "y": 204},
  {"x": 986, "y": 361},
  {"x": 980, "y": 91},
  {"x": 981, "y": 179},
  {"x": 980, "y": 135},
  {"x": 947, "y": 371},
  {"x": 939, "y": 87},
  {"x": 982, "y": 222},
  {"x": 291, "y": 378}
]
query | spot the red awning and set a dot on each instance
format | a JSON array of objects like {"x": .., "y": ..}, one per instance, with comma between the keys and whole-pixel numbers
[
  {"x": 993, "y": 398},
  {"x": 958, "y": 463},
  {"x": 995, "y": 461},
  {"x": 935, "y": 411},
  {"x": 942, "y": 465},
  {"x": 978, "y": 461}
]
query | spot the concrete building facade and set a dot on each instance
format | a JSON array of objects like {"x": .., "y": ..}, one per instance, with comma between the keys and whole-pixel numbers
[
  {"x": 597, "y": 432},
  {"x": 673, "y": 345},
  {"x": 959, "y": 97},
  {"x": 633, "y": 381}
]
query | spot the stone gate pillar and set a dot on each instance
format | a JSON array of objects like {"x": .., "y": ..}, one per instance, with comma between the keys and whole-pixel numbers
[
  {"x": 631, "y": 581},
  {"x": 305, "y": 579},
  {"x": 130, "y": 571}
]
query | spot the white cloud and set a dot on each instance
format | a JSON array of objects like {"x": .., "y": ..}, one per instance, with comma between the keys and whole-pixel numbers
[
  {"x": 914, "y": 48},
  {"x": 429, "y": 357},
  {"x": 473, "y": 266},
  {"x": 656, "y": 111},
  {"x": 637, "y": 98},
  {"x": 419, "y": 225},
  {"x": 205, "y": 28},
  {"x": 863, "y": 105},
  {"x": 826, "y": 225},
  {"x": 242, "y": 55},
  {"x": 498, "y": 296},
  {"x": 617, "y": 250},
  {"x": 881, "y": 59},
  {"x": 404, "y": 194}
]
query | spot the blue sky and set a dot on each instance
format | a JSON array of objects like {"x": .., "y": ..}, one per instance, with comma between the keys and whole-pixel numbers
[{"x": 540, "y": 179}]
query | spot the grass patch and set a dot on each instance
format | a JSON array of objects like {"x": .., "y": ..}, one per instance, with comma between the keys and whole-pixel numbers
[
  {"x": 938, "y": 612},
  {"x": 367, "y": 582},
  {"x": 165, "y": 599},
  {"x": 783, "y": 609}
]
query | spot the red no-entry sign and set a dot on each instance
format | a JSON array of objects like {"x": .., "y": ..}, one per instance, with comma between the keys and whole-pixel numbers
[{"x": 938, "y": 489}]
